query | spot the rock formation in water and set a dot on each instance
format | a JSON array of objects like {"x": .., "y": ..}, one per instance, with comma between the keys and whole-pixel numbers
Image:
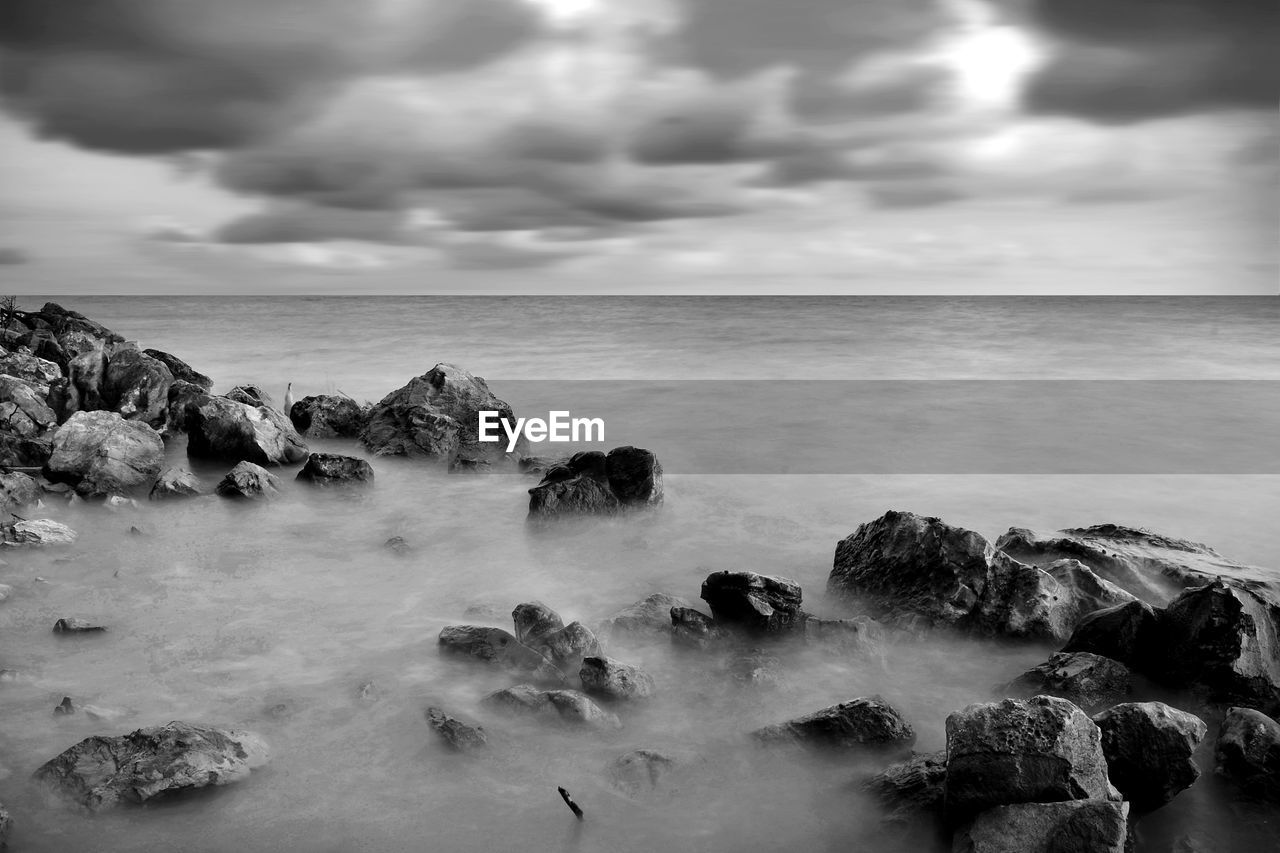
[
  {"x": 1247, "y": 754},
  {"x": 613, "y": 679},
  {"x": 757, "y": 603},
  {"x": 247, "y": 481},
  {"x": 597, "y": 483},
  {"x": 230, "y": 430},
  {"x": 496, "y": 646},
  {"x": 175, "y": 483},
  {"x": 328, "y": 416},
  {"x": 36, "y": 532},
  {"x": 1149, "y": 748},
  {"x": 1079, "y": 826},
  {"x": 570, "y": 707},
  {"x": 1091, "y": 681},
  {"x": 330, "y": 469},
  {"x": 860, "y": 725},
  {"x": 101, "y": 454},
  {"x": 455, "y": 733}
]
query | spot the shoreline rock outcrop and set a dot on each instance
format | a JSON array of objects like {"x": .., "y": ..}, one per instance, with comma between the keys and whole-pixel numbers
[
  {"x": 228, "y": 430},
  {"x": 863, "y": 725},
  {"x": 1149, "y": 748},
  {"x": 328, "y": 416},
  {"x": 596, "y": 483},
  {"x": 101, "y": 454}
]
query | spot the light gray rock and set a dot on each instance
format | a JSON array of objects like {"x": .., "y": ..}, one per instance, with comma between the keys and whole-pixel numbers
[
  {"x": 455, "y": 733},
  {"x": 23, "y": 409},
  {"x": 37, "y": 532},
  {"x": 1149, "y": 748},
  {"x": 613, "y": 679},
  {"x": 101, "y": 454},
  {"x": 569, "y": 645},
  {"x": 496, "y": 646},
  {"x": 534, "y": 620},
  {"x": 649, "y": 617},
  {"x": 175, "y": 483},
  {"x": 248, "y": 481},
  {"x": 17, "y": 490},
  {"x": 570, "y": 707},
  {"x": 1080, "y": 826}
]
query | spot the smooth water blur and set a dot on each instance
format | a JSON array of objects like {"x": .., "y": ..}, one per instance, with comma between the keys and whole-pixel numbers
[{"x": 270, "y": 617}]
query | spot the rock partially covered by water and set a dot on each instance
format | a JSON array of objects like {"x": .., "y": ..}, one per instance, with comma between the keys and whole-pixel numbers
[
  {"x": 1088, "y": 680},
  {"x": 1149, "y": 748},
  {"x": 758, "y": 603},
  {"x": 860, "y": 635},
  {"x": 569, "y": 645},
  {"x": 100, "y": 773},
  {"x": 568, "y": 706},
  {"x": 454, "y": 732},
  {"x": 249, "y": 482},
  {"x": 101, "y": 454},
  {"x": 37, "y": 532},
  {"x": 639, "y": 771},
  {"x": 329, "y": 469},
  {"x": 175, "y": 483},
  {"x": 251, "y": 395},
  {"x": 179, "y": 369},
  {"x": 17, "y": 490},
  {"x": 648, "y": 617},
  {"x": 613, "y": 679},
  {"x": 1040, "y": 750},
  {"x": 232, "y": 431},
  {"x": 595, "y": 483},
  {"x": 911, "y": 790},
  {"x": 534, "y": 620},
  {"x": 328, "y": 416},
  {"x": 436, "y": 416},
  {"x": 71, "y": 625},
  {"x": 1081, "y": 826},
  {"x": 137, "y": 386},
  {"x": 494, "y": 645},
  {"x": 1248, "y": 754},
  {"x": 694, "y": 628},
  {"x": 867, "y": 724}
]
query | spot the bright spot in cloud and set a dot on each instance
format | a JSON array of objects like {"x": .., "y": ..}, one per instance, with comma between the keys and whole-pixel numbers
[{"x": 989, "y": 61}]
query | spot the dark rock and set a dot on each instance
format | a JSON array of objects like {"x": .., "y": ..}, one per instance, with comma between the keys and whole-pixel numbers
[
  {"x": 101, "y": 454},
  {"x": 1149, "y": 748},
  {"x": 398, "y": 546},
  {"x": 639, "y": 770},
  {"x": 1128, "y": 633},
  {"x": 869, "y": 724},
  {"x": 17, "y": 490},
  {"x": 594, "y": 483},
  {"x": 231, "y": 431},
  {"x": 6, "y": 828},
  {"x": 137, "y": 386},
  {"x": 612, "y": 679},
  {"x": 248, "y": 481},
  {"x": 1088, "y": 680},
  {"x": 494, "y": 645},
  {"x": 693, "y": 628},
  {"x": 634, "y": 475},
  {"x": 1040, "y": 750},
  {"x": 182, "y": 394},
  {"x": 1081, "y": 826},
  {"x": 179, "y": 369},
  {"x": 251, "y": 395},
  {"x": 533, "y": 621},
  {"x": 580, "y": 495},
  {"x": 175, "y": 483},
  {"x": 37, "y": 532},
  {"x": 648, "y": 617},
  {"x": 911, "y": 790},
  {"x": 100, "y": 773},
  {"x": 456, "y": 733},
  {"x": 76, "y": 626},
  {"x": 86, "y": 372},
  {"x": 328, "y": 416},
  {"x": 758, "y": 603},
  {"x": 23, "y": 410},
  {"x": 20, "y": 451},
  {"x": 65, "y": 707},
  {"x": 327, "y": 469},
  {"x": 1248, "y": 754},
  {"x": 568, "y": 706}
]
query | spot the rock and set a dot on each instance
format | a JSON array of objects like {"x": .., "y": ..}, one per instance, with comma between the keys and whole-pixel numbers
[
  {"x": 579, "y": 496},
  {"x": 568, "y": 706},
  {"x": 494, "y": 645},
  {"x": 20, "y": 451},
  {"x": 137, "y": 386},
  {"x": 1081, "y": 826},
  {"x": 911, "y": 790},
  {"x": 248, "y": 481},
  {"x": 86, "y": 372},
  {"x": 639, "y": 770},
  {"x": 17, "y": 490},
  {"x": 328, "y": 469},
  {"x": 179, "y": 369},
  {"x": 40, "y": 373},
  {"x": 398, "y": 546},
  {"x": 1088, "y": 680},
  {"x": 23, "y": 410},
  {"x": 65, "y": 707},
  {"x": 1128, "y": 633},
  {"x": 754, "y": 668},
  {"x": 634, "y": 475},
  {"x": 436, "y": 416},
  {"x": 181, "y": 394},
  {"x": 650, "y": 616},
  {"x": 569, "y": 645},
  {"x": 5, "y": 592},
  {"x": 456, "y": 733},
  {"x": 175, "y": 483},
  {"x": 251, "y": 395},
  {"x": 612, "y": 679},
  {"x": 231, "y": 431},
  {"x": 1071, "y": 592},
  {"x": 101, "y": 454},
  {"x": 100, "y": 773},
  {"x": 534, "y": 620},
  {"x": 594, "y": 483},
  {"x": 37, "y": 532},
  {"x": 869, "y": 724},
  {"x": 328, "y": 416},
  {"x": 76, "y": 626},
  {"x": 1149, "y": 748},
  {"x": 758, "y": 603},
  {"x": 1248, "y": 753},
  {"x": 6, "y": 828},
  {"x": 693, "y": 628},
  {"x": 1040, "y": 750}
]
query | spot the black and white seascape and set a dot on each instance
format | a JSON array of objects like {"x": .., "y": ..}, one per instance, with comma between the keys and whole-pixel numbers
[{"x": 708, "y": 425}]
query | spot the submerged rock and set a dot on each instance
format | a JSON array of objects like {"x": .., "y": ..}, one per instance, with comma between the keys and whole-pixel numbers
[
  {"x": 1248, "y": 754},
  {"x": 860, "y": 635},
  {"x": 1149, "y": 748},
  {"x": 1081, "y": 826},
  {"x": 639, "y": 770},
  {"x": 76, "y": 626},
  {"x": 534, "y": 620},
  {"x": 594, "y": 483},
  {"x": 327, "y": 469},
  {"x": 100, "y": 773},
  {"x": 248, "y": 481},
  {"x": 37, "y": 532},
  {"x": 175, "y": 483},
  {"x": 1088, "y": 680},
  {"x": 614, "y": 679},
  {"x": 232, "y": 431},
  {"x": 755, "y": 668},
  {"x": 456, "y": 733},
  {"x": 868, "y": 724},
  {"x": 693, "y": 628},
  {"x": 758, "y": 603},
  {"x": 328, "y": 416},
  {"x": 568, "y": 646},
  {"x": 101, "y": 454},
  {"x": 648, "y": 617},
  {"x": 568, "y": 706},
  {"x": 494, "y": 645},
  {"x": 911, "y": 790}
]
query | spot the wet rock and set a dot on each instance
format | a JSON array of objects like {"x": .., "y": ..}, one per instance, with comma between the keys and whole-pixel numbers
[
  {"x": 101, "y": 454},
  {"x": 634, "y": 475},
  {"x": 650, "y": 616},
  {"x": 100, "y": 773},
  {"x": 248, "y": 481},
  {"x": 20, "y": 451},
  {"x": 436, "y": 416},
  {"x": 578, "y": 496},
  {"x": 1081, "y": 826},
  {"x": 1040, "y": 750},
  {"x": 868, "y": 724},
  {"x": 1128, "y": 633},
  {"x": 457, "y": 734},
  {"x": 758, "y": 603},
  {"x": 76, "y": 626},
  {"x": 569, "y": 645},
  {"x": 23, "y": 410},
  {"x": 568, "y": 706},
  {"x": 1149, "y": 748},
  {"x": 1088, "y": 680},
  {"x": 1248, "y": 754},
  {"x": 137, "y": 387},
  {"x": 175, "y": 483},
  {"x": 494, "y": 645},
  {"x": 37, "y": 532},
  {"x": 368, "y": 692},
  {"x": 17, "y": 490},
  {"x": 911, "y": 790},
  {"x": 328, "y": 416},
  {"x": 181, "y": 394},
  {"x": 693, "y": 628},
  {"x": 755, "y": 668},
  {"x": 231, "y": 431},
  {"x": 251, "y": 395},
  {"x": 65, "y": 707},
  {"x": 594, "y": 483},
  {"x": 327, "y": 469},
  {"x": 534, "y": 620},
  {"x": 612, "y": 679},
  {"x": 179, "y": 369},
  {"x": 639, "y": 770}
]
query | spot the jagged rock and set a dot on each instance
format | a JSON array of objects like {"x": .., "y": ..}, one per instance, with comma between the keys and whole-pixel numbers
[
  {"x": 327, "y": 469},
  {"x": 650, "y": 616},
  {"x": 639, "y": 770},
  {"x": 1248, "y": 753},
  {"x": 179, "y": 369},
  {"x": 328, "y": 416},
  {"x": 175, "y": 483},
  {"x": 137, "y": 386},
  {"x": 436, "y": 416},
  {"x": 594, "y": 483},
  {"x": 534, "y": 620},
  {"x": 578, "y": 496},
  {"x": 911, "y": 790},
  {"x": 101, "y": 454},
  {"x": 20, "y": 451},
  {"x": 23, "y": 410},
  {"x": 251, "y": 395},
  {"x": 1081, "y": 826},
  {"x": 181, "y": 394},
  {"x": 568, "y": 706},
  {"x": 754, "y": 668},
  {"x": 231, "y": 431},
  {"x": 634, "y": 475},
  {"x": 569, "y": 645},
  {"x": 1040, "y": 750},
  {"x": 456, "y": 733},
  {"x": 1128, "y": 633},
  {"x": 1088, "y": 680},
  {"x": 758, "y": 603},
  {"x": 39, "y": 372},
  {"x": 1149, "y": 748},
  {"x": 37, "y": 532},
  {"x": 614, "y": 679},
  {"x": 65, "y": 707},
  {"x": 100, "y": 773},
  {"x": 76, "y": 626},
  {"x": 494, "y": 645},
  {"x": 868, "y": 724},
  {"x": 17, "y": 490},
  {"x": 693, "y": 628},
  {"x": 248, "y": 481}
]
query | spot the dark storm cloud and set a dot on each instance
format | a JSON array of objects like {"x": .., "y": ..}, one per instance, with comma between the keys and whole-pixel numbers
[
  {"x": 829, "y": 164},
  {"x": 1129, "y": 60},
  {"x": 310, "y": 224}
]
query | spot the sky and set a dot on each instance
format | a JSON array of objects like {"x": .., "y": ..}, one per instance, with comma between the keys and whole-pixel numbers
[{"x": 700, "y": 146}]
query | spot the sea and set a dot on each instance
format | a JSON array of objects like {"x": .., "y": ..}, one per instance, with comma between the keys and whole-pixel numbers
[{"x": 783, "y": 423}]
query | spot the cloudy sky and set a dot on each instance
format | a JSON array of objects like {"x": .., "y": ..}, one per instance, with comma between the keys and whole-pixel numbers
[{"x": 1109, "y": 146}]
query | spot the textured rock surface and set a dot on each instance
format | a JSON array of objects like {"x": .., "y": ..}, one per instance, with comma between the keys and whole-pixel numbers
[
  {"x": 1082, "y": 826},
  {"x": 37, "y": 532},
  {"x": 248, "y": 481},
  {"x": 137, "y": 386},
  {"x": 231, "y": 431},
  {"x": 175, "y": 483},
  {"x": 455, "y": 733},
  {"x": 650, "y": 616},
  {"x": 758, "y": 603},
  {"x": 330, "y": 469},
  {"x": 569, "y": 645},
  {"x": 1088, "y": 680},
  {"x": 533, "y": 620},
  {"x": 568, "y": 706},
  {"x": 179, "y": 369},
  {"x": 911, "y": 790},
  {"x": 494, "y": 645},
  {"x": 328, "y": 416},
  {"x": 595, "y": 483},
  {"x": 23, "y": 410},
  {"x": 1149, "y": 748},
  {"x": 694, "y": 628},
  {"x": 1248, "y": 753},
  {"x": 17, "y": 490},
  {"x": 101, "y": 454},
  {"x": 860, "y": 724},
  {"x": 614, "y": 679}
]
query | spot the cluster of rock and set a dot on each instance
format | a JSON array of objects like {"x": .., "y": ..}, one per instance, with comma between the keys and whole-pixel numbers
[{"x": 596, "y": 483}]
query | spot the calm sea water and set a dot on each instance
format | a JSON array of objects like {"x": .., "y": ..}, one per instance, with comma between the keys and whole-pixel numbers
[{"x": 270, "y": 617}]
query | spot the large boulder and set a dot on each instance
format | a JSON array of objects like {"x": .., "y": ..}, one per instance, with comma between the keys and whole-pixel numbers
[
  {"x": 180, "y": 369},
  {"x": 37, "y": 532},
  {"x": 182, "y": 393},
  {"x": 1128, "y": 633},
  {"x": 758, "y": 603},
  {"x": 861, "y": 725},
  {"x": 328, "y": 416},
  {"x": 175, "y": 483},
  {"x": 1091, "y": 681},
  {"x": 247, "y": 481},
  {"x": 21, "y": 364},
  {"x": 496, "y": 646},
  {"x": 102, "y": 454},
  {"x": 1248, "y": 753},
  {"x": 596, "y": 483},
  {"x": 436, "y": 416},
  {"x": 570, "y": 707},
  {"x": 23, "y": 409},
  {"x": 137, "y": 386},
  {"x": 100, "y": 773},
  {"x": 231, "y": 431},
  {"x": 1149, "y": 748},
  {"x": 329, "y": 469},
  {"x": 613, "y": 679},
  {"x": 568, "y": 646},
  {"x": 911, "y": 790},
  {"x": 1080, "y": 826},
  {"x": 1040, "y": 750}
]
